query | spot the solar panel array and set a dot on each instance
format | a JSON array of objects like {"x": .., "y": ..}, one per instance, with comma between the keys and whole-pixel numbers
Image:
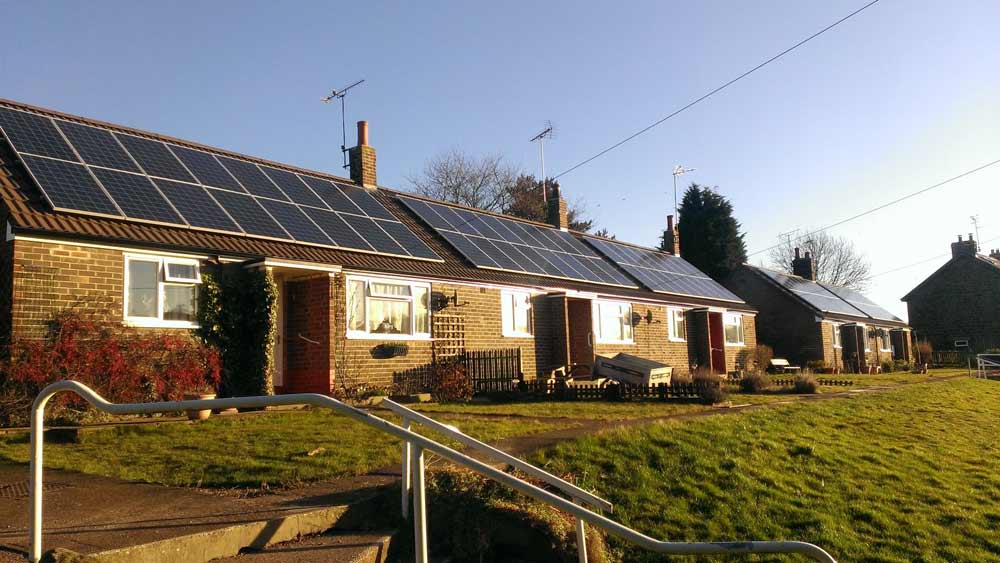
[
  {"x": 93, "y": 170},
  {"x": 813, "y": 293},
  {"x": 661, "y": 272},
  {"x": 499, "y": 243},
  {"x": 861, "y": 302}
]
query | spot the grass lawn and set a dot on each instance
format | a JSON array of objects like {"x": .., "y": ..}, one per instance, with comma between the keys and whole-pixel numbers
[
  {"x": 246, "y": 451},
  {"x": 906, "y": 475}
]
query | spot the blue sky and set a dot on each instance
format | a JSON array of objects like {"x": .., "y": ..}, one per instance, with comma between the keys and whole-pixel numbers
[{"x": 900, "y": 97}]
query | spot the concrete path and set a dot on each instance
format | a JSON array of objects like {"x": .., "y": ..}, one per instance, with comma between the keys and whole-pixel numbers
[{"x": 343, "y": 547}]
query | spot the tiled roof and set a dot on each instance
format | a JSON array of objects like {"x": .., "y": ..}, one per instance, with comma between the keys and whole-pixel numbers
[{"x": 28, "y": 213}]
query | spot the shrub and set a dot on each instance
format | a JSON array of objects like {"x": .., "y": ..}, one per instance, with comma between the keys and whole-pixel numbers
[
  {"x": 815, "y": 365},
  {"x": 709, "y": 386},
  {"x": 887, "y": 366},
  {"x": 805, "y": 385},
  {"x": 901, "y": 365},
  {"x": 120, "y": 363},
  {"x": 761, "y": 357},
  {"x": 924, "y": 351},
  {"x": 755, "y": 383},
  {"x": 681, "y": 379},
  {"x": 451, "y": 383}
]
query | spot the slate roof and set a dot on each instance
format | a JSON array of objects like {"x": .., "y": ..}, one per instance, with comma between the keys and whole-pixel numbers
[
  {"x": 28, "y": 213},
  {"x": 981, "y": 259}
]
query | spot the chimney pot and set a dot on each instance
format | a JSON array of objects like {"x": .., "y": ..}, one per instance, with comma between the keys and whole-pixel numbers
[
  {"x": 557, "y": 211},
  {"x": 803, "y": 266},
  {"x": 963, "y": 247},
  {"x": 796, "y": 252},
  {"x": 362, "y": 159}
]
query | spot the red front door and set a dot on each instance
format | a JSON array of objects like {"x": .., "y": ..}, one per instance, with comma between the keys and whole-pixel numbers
[{"x": 717, "y": 343}]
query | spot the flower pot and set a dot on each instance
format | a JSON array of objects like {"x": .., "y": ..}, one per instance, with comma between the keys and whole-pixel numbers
[{"x": 198, "y": 414}]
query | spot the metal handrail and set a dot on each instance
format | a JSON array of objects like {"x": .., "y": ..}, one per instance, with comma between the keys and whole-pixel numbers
[
  {"x": 571, "y": 490},
  {"x": 419, "y": 443},
  {"x": 986, "y": 362}
]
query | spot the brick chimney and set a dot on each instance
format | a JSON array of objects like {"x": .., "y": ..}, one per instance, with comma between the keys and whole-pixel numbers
[
  {"x": 995, "y": 253},
  {"x": 362, "y": 159},
  {"x": 672, "y": 238},
  {"x": 963, "y": 247},
  {"x": 803, "y": 266},
  {"x": 557, "y": 211}
]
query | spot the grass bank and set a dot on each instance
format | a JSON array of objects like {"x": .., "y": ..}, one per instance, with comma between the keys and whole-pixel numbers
[
  {"x": 906, "y": 475},
  {"x": 278, "y": 449}
]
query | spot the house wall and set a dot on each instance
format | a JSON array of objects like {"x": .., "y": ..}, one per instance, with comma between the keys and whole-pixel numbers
[
  {"x": 650, "y": 340},
  {"x": 51, "y": 277},
  {"x": 960, "y": 301}
]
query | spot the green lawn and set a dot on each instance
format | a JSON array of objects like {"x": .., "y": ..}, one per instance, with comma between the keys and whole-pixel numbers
[
  {"x": 246, "y": 451},
  {"x": 906, "y": 475}
]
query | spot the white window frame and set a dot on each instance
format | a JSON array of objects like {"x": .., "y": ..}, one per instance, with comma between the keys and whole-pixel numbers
[
  {"x": 596, "y": 318},
  {"x": 365, "y": 334},
  {"x": 838, "y": 338},
  {"x": 510, "y": 300},
  {"x": 726, "y": 318},
  {"x": 887, "y": 341},
  {"x": 161, "y": 282},
  {"x": 672, "y": 314}
]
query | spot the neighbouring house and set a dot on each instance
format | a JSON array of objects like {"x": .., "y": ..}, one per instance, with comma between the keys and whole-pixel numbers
[
  {"x": 958, "y": 306},
  {"x": 814, "y": 323},
  {"x": 373, "y": 284}
]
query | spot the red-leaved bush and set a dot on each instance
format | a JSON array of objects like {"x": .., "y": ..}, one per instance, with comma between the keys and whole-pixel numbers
[{"x": 120, "y": 363}]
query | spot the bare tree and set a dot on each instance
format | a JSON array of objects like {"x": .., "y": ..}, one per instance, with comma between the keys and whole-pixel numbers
[
  {"x": 484, "y": 182},
  {"x": 836, "y": 259}
]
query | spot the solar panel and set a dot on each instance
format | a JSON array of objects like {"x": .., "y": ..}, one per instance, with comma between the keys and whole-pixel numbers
[
  {"x": 97, "y": 146},
  {"x": 248, "y": 214},
  {"x": 662, "y": 272},
  {"x": 295, "y": 221},
  {"x": 149, "y": 180},
  {"x": 812, "y": 293},
  {"x": 294, "y": 188},
  {"x": 500, "y": 243},
  {"x": 34, "y": 134},
  {"x": 252, "y": 178},
  {"x": 70, "y": 186},
  {"x": 194, "y": 203},
  {"x": 206, "y": 169},
  {"x": 137, "y": 196},
  {"x": 861, "y": 302},
  {"x": 154, "y": 158}
]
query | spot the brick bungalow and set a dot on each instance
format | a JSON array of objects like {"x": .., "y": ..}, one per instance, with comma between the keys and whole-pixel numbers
[
  {"x": 328, "y": 333},
  {"x": 958, "y": 306},
  {"x": 807, "y": 321}
]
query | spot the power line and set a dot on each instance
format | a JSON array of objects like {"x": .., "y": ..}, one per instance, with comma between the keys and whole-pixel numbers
[
  {"x": 884, "y": 205},
  {"x": 720, "y": 88}
]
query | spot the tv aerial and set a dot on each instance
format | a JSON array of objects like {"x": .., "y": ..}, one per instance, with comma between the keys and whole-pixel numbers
[
  {"x": 340, "y": 94},
  {"x": 548, "y": 132}
]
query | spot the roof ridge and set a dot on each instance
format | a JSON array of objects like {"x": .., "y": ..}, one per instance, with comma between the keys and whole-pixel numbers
[{"x": 170, "y": 139}]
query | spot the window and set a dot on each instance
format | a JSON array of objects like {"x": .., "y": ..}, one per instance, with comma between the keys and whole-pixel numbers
[
  {"x": 161, "y": 291},
  {"x": 884, "y": 340},
  {"x": 382, "y": 308},
  {"x": 516, "y": 311},
  {"x": 733, "y": 323},
  {"x": 676, "y": 326},
  {"x": 613, "y": 322},
  {"x": 836, "y": 336}
]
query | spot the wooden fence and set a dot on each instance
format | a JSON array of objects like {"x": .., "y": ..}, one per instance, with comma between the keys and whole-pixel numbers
[
  {"x": 558, "y": 390},
  {"x": 489, "y": 371}
]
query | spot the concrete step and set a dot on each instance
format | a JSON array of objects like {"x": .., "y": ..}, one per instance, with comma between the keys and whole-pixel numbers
[{"x": 334, "y": 546}]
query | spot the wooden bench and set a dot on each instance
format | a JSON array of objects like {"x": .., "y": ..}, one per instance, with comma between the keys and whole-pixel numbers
[{"x": 781, "y": 365}]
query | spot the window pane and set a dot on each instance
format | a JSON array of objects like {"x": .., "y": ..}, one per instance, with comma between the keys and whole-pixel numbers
[
  {"x": 179, "y": 303},
  {"x": 389, "y": 289},
  {"x": 182, "y": 271},
  {"x": 734, "y": 329},
  {"x": 421, "y": 311},
  {"x": 142, "y": 288},
  {"x": 388, "y": 317},
  {"x": 356, "y": 305},
  {"x": 522, "y": 313}
]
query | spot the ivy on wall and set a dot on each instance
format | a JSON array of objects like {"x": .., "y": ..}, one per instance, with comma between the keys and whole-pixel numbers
[{"x": 238, "y": 313}]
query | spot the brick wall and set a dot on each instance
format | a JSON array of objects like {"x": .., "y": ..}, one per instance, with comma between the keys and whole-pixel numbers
[
  {"x": 960, "y": 301},
  {"x": 50, "y": 277},
  {"x": 650, "y": 340}
]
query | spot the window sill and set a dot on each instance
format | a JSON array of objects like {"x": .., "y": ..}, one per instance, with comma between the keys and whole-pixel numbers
[
  {"x": 736, "y": 344},
  {"x": 678, "y": 340},
  {"x": 396, "y": 337},
  {"x": 157, "y": 323},
  {"x": 617, "y": 342},
  {"x": 518, "y": 335}
]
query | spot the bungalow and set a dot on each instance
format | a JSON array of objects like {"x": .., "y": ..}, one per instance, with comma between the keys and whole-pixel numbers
[
  {"x": 372, "y": 283},
  {"x": 958, "y": 306},
  {"x": 814, "y": 323}
]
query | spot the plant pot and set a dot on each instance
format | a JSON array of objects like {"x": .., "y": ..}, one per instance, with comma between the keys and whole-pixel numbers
[{"x": 198, "y": 414}]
